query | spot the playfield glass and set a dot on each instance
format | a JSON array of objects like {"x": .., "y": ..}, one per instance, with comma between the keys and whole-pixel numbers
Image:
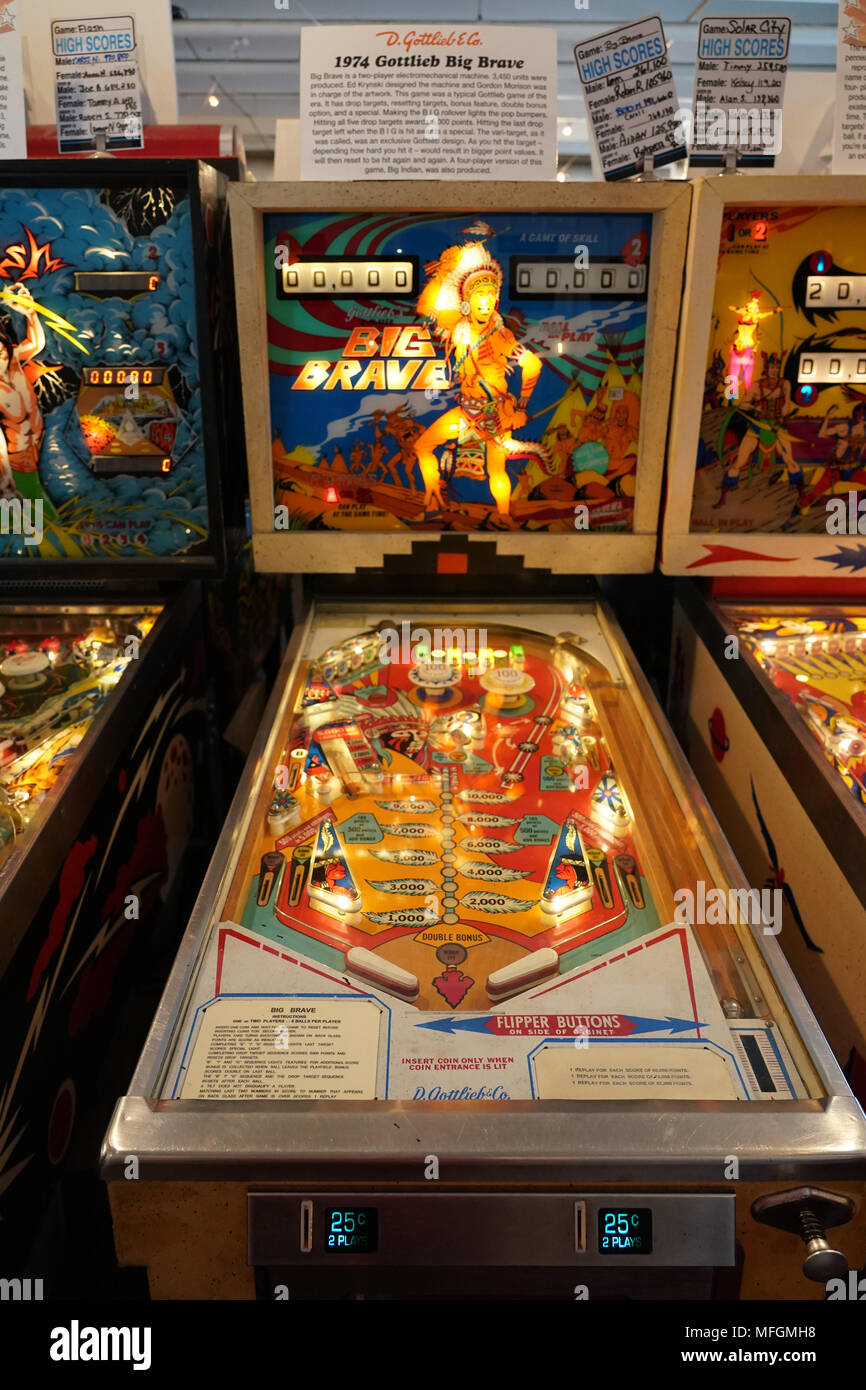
[
  {"x": 817, "y": 659},
  {"x": 465, "y": 874},
  {"x": 456, "y": 373},
  {"x": 57, "y": 670}
]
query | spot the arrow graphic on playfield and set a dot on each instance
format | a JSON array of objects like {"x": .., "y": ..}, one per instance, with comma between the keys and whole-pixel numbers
[{"x": 561, "y": 1025}]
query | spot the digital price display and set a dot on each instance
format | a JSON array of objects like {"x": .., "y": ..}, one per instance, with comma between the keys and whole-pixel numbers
[
  {"x": 125, "y": 376},
  {"x": 625, "y": 1230},
  {"x": 352, "y": 1230}
]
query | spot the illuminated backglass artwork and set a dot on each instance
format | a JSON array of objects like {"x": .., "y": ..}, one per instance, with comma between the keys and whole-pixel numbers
[
  {"x": 101, "y": 449},
  {"x": 783, "y": 424},
  {"x": 456, "y": 373}
]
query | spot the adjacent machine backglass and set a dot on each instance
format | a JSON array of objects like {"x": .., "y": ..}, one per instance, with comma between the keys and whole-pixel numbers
[
  {"x": 783, "y": 428},
  {"x": 462, "y": 880},
  {"x": 101, "y": 449},
  {"x": 456, "y": 372}
]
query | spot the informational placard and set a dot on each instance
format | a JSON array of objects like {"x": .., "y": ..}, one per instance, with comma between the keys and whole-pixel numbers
[
  {"x": 97, "y": 86},
  {"x": 449, "y": 103},
  {"x": 628, "y": 88},
  {"x": 739, "y": 89},
  {"x": 13, "y": 137},
  {"x": 849, "y": 144}
]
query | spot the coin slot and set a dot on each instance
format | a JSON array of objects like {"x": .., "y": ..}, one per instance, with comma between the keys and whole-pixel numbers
[
  {"x": 580, "y": 1227},
  {"x": 306, "y": 1227}
]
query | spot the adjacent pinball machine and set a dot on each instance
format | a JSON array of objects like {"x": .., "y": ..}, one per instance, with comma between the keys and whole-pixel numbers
[
  {"x": 449, "y": 1017},
  {"x": 110, "y": 516},
  {"x": 768, "y": 473}
]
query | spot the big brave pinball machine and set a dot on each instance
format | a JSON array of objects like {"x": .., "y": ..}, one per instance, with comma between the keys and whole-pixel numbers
[
  {"x": 436, "y": 1003},
  {"x": 766, "y": 498},
  {"x": 111, "y": 512}
]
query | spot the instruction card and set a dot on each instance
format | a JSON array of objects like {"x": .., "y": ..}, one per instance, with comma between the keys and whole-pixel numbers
[
  {"x": 849, "y": 143},
  {"x": 628, "y": 88},
  {"x": 262, "y": 1048},
  {"x": 97, "y": 87},
  {"x": 450, "y": 103},
  {"x": 739, "y": 89}
]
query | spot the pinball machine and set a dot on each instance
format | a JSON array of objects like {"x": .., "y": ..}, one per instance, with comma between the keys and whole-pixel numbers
[
  {"x": 448, "y": 1007},
  {"x": 768, "y": 469},
  {"x": 110, "y": 518}
]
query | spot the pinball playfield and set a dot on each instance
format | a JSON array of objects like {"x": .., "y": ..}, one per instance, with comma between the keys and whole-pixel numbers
[
  {"x": 817, "y": 658},
  {"x": 56, "y": 672},
  {"x": 464, "y": 880}
]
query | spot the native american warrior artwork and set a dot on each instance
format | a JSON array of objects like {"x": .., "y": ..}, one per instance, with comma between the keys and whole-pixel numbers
[
  {"x": 429, "y": 373},
  {"x": 462, "y": 298},
  {"x": 783, "y": 423}
]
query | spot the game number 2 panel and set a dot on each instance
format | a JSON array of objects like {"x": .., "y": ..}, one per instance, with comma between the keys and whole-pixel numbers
[{"x": 768, "y": 451}]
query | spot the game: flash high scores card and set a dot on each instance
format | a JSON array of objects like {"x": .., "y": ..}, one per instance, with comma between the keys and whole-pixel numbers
[
  {"x": 456, "y": 373},
  {"x": 783, "y": 423}
]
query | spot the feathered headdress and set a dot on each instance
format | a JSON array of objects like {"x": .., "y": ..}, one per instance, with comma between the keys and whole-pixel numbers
[{"x": 458, "y": 270}]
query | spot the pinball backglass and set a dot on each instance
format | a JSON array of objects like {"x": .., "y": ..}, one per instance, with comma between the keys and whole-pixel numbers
[
  {"x": 768, "y": 444},
  {"x": 479, "y": 364},
  {"x": 107, "y": 417}
]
